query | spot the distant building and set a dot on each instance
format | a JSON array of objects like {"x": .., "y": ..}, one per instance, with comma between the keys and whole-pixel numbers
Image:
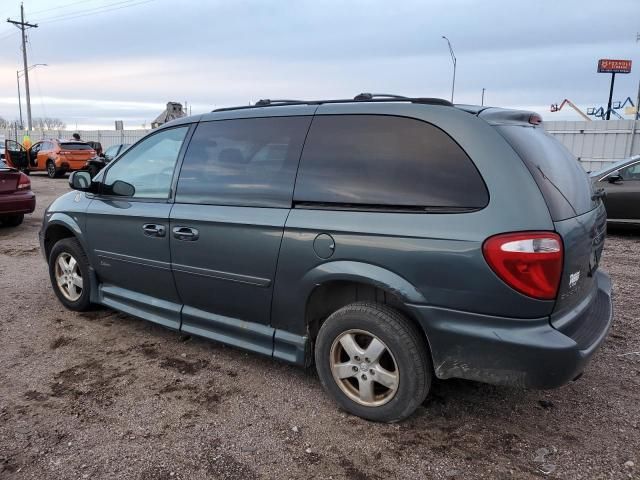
[{"x": 173, "y": 111}]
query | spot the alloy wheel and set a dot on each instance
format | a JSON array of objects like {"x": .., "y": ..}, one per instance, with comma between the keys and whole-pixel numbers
[
  {"x": 364, "y": 368},
  {"x": 68, "y": 276}
]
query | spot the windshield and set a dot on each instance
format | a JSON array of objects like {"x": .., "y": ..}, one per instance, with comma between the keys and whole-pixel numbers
[{"x": 614, "y": 166}]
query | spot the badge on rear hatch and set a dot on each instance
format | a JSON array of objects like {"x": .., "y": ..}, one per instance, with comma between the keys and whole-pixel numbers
[{"x": 573, "y": 279}]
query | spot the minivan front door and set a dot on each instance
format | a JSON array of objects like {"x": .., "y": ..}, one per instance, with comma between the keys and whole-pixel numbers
[
  {"x": 129, "y": 236},
  {"x": 232, "y": 201}
]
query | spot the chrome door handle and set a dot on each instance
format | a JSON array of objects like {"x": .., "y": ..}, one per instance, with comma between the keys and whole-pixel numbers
[
  {"x": 154, "y": 230},
  {"x": 185, "y": 233}
]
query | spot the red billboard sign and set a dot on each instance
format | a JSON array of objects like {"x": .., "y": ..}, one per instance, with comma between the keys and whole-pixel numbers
[{"x": 606, "y": 65}]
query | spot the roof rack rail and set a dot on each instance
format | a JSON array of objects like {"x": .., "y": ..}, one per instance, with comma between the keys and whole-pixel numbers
[
  {"x": 361, "y": 98},
  {"x": 364, "y": 97},
  {"x": 266, "y": 101}
]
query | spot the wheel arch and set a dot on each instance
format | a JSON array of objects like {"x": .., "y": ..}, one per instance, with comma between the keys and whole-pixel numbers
[
  {"x": 58, "y": 227},
  {"x": 334, "y": 285}
]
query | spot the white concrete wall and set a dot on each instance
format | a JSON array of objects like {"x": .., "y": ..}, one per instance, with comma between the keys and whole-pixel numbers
[{"x": 598, "y": 143}]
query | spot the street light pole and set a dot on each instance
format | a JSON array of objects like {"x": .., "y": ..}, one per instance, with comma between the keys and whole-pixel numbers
[
  {"x": 25, "y": 72},
  {"x": 453, "y": 59},
  {"x": 19, "y": 101}
]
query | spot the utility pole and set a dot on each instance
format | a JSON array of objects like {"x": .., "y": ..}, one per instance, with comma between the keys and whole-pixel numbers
[
  {"x": 23, "y": 26},
  {"x": 482, "y": 103}
]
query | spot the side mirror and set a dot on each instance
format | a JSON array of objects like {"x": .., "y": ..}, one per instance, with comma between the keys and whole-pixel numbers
[
  {"x": 80, "y": 180},
  {"x": 123, "y": 189},
  {"x": 614, "y": 177}
]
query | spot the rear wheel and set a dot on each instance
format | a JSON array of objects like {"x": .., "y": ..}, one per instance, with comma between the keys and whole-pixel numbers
[
  {"x": 13, "y": 220},
  {"x": 373, "y": 361},
  {"x": 69, "y": 274},
  {"x": 51, "y": 169}
]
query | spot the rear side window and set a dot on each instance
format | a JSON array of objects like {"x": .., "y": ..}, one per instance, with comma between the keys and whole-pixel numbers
[
  {"x": 564, "y": 184},
  {"x": 386, "y": 161},
  {"x": 248, "y": 162},
  {"x": 75, "y": 146}
]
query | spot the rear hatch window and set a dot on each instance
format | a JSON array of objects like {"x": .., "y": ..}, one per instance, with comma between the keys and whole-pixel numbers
[
  {"x": 75, "y": 146},
  {"x": 563, "y": 182}
]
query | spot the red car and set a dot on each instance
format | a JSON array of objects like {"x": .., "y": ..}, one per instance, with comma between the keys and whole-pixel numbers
[{"x": 16, "y": 197}]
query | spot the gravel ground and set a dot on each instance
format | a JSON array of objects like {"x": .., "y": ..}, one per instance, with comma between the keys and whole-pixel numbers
[{"x": 105, "y": 395}]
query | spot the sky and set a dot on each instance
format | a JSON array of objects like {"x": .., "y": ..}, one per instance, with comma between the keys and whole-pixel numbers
[{"x": 125, "y": 59}]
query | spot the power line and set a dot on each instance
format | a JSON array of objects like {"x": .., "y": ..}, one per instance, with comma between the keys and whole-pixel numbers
[
  {"x": 95, "y": 11},
  {"x": 61, "y": 6},
  {"x": 82, "y": 10}
]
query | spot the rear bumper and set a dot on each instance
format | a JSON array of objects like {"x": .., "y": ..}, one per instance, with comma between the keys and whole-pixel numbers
[
  {"x": 70, "y": 165},
  {"x": 17, "y": 203},
  {"x": 523, "y": 352}
]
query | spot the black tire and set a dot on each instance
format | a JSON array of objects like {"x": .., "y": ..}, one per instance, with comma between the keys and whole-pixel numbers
[
  {"x": 404, "y": 343},
  {"x": 51, "y": 169},
  {"x": 72, "y": 247},
  {"x": 13, "y": 220}
]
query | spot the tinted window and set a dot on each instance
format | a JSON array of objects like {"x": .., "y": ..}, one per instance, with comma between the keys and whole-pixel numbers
[
  {"x": 249, "y": 162},
  {"x": 386, "y": 161},
  {"x": 149, "y": 165},
  {"x": 75, "y": 146},
  {"x": 563, "y": 182}
]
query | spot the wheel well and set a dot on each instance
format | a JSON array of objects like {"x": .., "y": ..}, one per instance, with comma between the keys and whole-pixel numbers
[
  {"x": 54, "y": 234},
  {"x": 329, "y": 297}
]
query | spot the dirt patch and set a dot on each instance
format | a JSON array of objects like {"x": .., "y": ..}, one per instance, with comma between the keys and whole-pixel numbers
[
  {"x": 20, "y": 251},
  {"x": 60, "y": 342},
  {"x": 225, "y": 467},
  {"x": 183, "y": 366},
  {"x": 35, "y": 396}
]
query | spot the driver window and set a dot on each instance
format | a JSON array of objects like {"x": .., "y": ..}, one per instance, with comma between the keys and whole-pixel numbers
[{"x": 149, "y": 165}]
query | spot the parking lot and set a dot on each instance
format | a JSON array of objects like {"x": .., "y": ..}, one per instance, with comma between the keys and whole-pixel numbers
[{"x": 105, "y": 395}]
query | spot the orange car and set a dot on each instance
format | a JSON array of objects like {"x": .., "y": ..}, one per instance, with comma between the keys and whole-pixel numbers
[{"x": 56, "y": 157}]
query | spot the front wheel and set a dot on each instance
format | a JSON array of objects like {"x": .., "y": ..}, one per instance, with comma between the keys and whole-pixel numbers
[
  {"x": 69, "y": 274},
  {"x": 373, "y": 361}
]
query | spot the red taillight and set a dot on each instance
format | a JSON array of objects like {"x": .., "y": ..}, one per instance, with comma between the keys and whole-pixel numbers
[
  {"x": 529, "y": 262},
  {"x": 24, "y": 183}
]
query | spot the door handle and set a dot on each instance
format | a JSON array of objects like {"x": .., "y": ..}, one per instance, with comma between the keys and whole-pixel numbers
[
  {"x": 154, "y": 230},
  {"x": 185, "y": 233}
]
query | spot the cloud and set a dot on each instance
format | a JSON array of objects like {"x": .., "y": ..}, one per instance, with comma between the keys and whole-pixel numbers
[{"x": 128, "y": 63}]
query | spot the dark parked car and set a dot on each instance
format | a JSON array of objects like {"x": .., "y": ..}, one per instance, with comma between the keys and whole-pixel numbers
[
  {"x": 16, "y": 197},
  {"x": 388, "y": 240},
  {"x": 621, "y": 185},
  {"x": 97, "y": 147},
  {"x": 97, "y": 163}
]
